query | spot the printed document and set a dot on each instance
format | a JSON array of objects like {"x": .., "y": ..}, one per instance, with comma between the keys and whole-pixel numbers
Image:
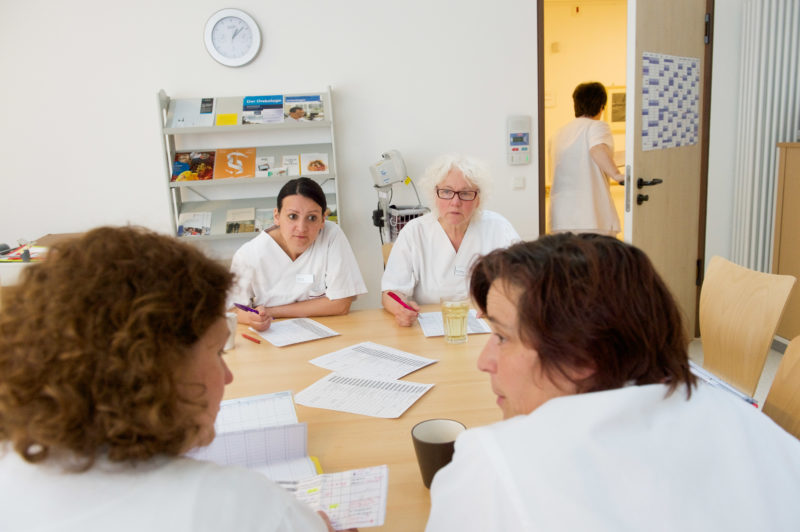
[
  {"x": 431, "y": 323},
  {"x": 287, "y": 332},
  {"x": 257, "y": 411},
  {"x": 369, "y": 359},
  {"x": 279, "y": 452},
  {"x": 360, "y": 395},
  {"x": 352, "y": 499}
]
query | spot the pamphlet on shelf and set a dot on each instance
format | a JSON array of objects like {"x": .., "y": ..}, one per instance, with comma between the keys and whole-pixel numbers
[
  {"x": 194, "y": 223},
  {"x": 228, "y": 110},
  {"x": 240, "y": 220},
  {"x": 193, "y": 166},
  {"x": 292, "y": 164},
  {"x": 193, "y": 112},
  {"x": 264, "y": 162},
  {"x": 235, "y": 162},
  {"x": 311, "y": 105},
  {"x": 262, "y": 109},
  {"x": 263, "y": 219},
  {"x": 313, "y": 164}
]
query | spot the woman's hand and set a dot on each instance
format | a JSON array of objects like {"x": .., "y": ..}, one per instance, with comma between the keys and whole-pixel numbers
[
  {"x": 405, "y": 317},
  {"x": 259, "y": 322}
]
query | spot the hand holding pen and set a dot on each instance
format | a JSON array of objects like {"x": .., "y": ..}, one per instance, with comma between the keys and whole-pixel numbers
[
  {"x": 405, "y": 312},
  {"x": 257, "y": 318}
]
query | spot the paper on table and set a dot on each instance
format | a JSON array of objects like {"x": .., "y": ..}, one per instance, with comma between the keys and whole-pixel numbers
[
  {"x": 294, "y": 331},
  {"x": 267, "y": 410},
  {"x": 355, "y": 498},
  {"x": 369, "y": 359},
  {"x": 359, "y": 395},
  {"x": 279, "y": 452},
  {"x": 431, "y": 323}
]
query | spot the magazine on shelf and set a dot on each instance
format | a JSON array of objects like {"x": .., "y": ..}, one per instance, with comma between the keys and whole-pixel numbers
[
  {"x": 313, "y": 164},
  {"x": 292, "y": 164},
  {"x": 235, "y": 162},
  {"x": 193, "y": 166},
  {"x": 193, "y": 112},
  {"x": 240, "y": 220},
  {"x": 263, "y": 219},
  {"x": 194, "y": 223},
  {"x": 227, "y": 112},
  {"x": 264, "y": 163},
  {"x": 262, "y": 109},
  {"x": 311, "y": 107}
]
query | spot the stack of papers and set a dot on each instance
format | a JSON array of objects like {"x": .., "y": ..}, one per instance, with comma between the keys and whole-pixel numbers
[
  {"x": 365, "y": 382},
  {"x": 262, "y": 433}
]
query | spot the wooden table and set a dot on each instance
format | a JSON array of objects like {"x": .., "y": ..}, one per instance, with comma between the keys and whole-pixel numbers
[{"x": 345, "y": 441}]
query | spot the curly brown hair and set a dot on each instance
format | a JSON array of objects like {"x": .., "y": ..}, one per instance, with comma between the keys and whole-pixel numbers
[
  {"x": 92, "y": 340},
  {"x": 591, "y": 301}
]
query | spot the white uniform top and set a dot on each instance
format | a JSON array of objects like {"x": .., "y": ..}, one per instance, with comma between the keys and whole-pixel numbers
[
  {"x": 580, "y": 199},
  {"x": 265, "y": 273},
  {"x": 623, "y": 460},
  {"x": 424, "y": 264},
  {"x": 164, "y": 494}
]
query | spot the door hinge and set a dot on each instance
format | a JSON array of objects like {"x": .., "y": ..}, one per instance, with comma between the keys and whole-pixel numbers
[{"x": 707, "y": 36}]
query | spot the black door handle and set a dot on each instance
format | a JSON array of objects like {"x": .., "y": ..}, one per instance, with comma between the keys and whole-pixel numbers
[
  {"x": 641, "y": 198},
  {"x": 641, "y": 183}
]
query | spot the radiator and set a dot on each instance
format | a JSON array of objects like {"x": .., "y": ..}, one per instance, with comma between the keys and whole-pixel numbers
[{"x": 769, "y": 112}]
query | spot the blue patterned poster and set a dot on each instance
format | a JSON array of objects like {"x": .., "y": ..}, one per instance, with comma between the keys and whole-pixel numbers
[{"x": 670, "y": 101}]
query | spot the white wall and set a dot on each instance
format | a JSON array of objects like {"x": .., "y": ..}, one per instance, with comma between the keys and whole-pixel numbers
[
  {"x": 724, "y": 112},
  {"x": 79, "y": 130}
]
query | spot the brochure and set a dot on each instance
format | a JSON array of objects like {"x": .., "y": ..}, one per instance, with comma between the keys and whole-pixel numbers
[
  {"x": 194, "y": 223},
  {"x": 235, "y": 162},
  {"x": 262, "y": 109},
  {"x": 194, "y": 112},
  {"x": 193, "y": 166},
  {"x": 303, "y": 108},
  {"x": 240, "y": 220}
]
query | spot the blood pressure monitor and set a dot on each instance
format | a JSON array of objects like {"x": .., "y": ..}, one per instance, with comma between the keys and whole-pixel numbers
[{"x": 518, "y": 140}]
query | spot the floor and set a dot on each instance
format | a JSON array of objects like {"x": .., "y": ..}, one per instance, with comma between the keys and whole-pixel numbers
[{"x": 770, "y": 367}]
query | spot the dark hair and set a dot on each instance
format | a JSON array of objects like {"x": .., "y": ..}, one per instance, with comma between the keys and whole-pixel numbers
[
  {"x": 92, "y": 342},
  {"x": 307, "y": 188},
  {"x": 591, "y": 302},
  {"x": 295, "y": 108},
  {"x": 589, "y": 98}
]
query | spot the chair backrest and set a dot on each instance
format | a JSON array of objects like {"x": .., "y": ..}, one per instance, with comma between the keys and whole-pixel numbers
[
  {"x": 783, "y": 400},
  {"x": 387, "y": 249},
  {"x": 739, "y": 312}
]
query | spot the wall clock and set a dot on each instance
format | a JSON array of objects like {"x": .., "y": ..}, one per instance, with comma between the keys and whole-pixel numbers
[{"x": 232, "y": 37}]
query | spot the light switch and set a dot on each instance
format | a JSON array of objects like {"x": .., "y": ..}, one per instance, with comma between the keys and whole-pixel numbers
[{"x": 518, "y": 182}]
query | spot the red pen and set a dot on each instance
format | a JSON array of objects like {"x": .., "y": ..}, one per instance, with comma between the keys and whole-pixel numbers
[
  {"x": 256, "y": 340},
  {"x": 397, "y": 298}
]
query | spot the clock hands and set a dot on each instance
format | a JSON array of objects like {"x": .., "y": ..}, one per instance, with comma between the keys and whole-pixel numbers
[{"x": 235, "y": 33}]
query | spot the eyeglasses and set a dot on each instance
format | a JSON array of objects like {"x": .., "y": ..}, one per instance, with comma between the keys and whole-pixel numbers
[{"x": 463, "y": 195}]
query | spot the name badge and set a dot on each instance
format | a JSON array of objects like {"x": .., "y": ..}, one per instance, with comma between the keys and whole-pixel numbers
[
  {"x": 460, "y": 271},
  {"x": 304, "y": 278}
]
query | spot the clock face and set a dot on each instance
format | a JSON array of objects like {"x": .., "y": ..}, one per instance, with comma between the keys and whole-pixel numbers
[{"x": 232, "y": 37}]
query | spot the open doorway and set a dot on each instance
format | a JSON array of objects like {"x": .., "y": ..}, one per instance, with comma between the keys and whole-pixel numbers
[{"x": 583, "y": 41}]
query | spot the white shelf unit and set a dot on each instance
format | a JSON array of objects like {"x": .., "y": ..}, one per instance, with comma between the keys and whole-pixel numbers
[{"x": 217, "y": 196}]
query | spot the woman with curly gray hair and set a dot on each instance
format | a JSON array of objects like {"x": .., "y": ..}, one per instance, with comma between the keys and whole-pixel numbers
[{"x": 433, "y": 253}]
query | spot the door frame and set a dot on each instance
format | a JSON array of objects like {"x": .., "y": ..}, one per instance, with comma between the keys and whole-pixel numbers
[{"x": 704, "y": 140}]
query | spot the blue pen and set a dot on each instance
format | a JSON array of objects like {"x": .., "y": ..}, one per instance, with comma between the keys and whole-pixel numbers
[{"x": 245, "y": 308}]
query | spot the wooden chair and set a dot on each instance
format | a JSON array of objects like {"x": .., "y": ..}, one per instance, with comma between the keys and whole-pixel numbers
[
  {"x": 783, "y": 400},
  {"x": 739, "y": 312},
  {"x": 387, "y": 249}
]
